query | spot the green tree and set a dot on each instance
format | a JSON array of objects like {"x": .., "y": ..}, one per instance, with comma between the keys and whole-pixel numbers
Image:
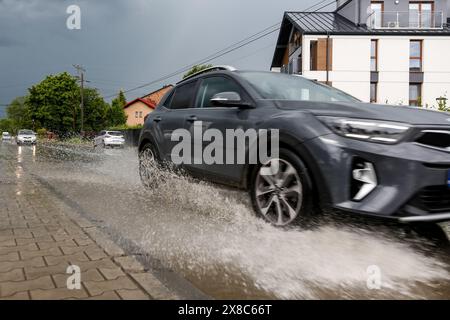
[
  {"x": 19, "y": 114},
  {"x": 116, "y": 114},
  {"x": 54, "y": 103},
  {"x": 95, "y": 110},
  {"x": 195, "y": 69},
  {"x": 6, "y": 125}
]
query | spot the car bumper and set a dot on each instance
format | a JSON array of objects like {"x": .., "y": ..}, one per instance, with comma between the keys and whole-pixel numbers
[
  {"x": 411, "y": 179},
  {"x": 115, "y": 143},
  {"x": 26, "y": 141}
]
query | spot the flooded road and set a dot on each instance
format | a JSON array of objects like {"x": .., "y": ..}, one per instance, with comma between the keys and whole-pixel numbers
[{"x": 209, "y": 235}]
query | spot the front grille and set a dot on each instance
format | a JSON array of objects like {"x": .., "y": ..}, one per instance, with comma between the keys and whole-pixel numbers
[
  {"x": 434, "y": 199},
  {"x": 439, "y": 139}
]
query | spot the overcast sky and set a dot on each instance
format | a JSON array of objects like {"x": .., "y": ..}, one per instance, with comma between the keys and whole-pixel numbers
[{"x": 125, "y": 43}]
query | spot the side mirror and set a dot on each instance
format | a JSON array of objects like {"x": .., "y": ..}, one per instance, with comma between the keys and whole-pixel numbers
[{"x": 229, "y": 99}]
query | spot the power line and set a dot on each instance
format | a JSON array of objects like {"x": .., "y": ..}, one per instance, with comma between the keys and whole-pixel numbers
[{"x": 242, "y": 43}]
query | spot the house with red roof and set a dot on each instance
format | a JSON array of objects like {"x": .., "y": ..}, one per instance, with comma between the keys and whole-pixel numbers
[{"x": 139, "y": 108}]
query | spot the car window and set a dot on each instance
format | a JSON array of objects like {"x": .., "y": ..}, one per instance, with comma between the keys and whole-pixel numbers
[
  {"x": 213, "y": 85},
  {"x": 279, "y": 86},
  {"x": 182, "y": 97}
]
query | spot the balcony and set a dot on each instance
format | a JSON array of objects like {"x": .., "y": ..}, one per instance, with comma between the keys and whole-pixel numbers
[{"x": 406, "y": 20}]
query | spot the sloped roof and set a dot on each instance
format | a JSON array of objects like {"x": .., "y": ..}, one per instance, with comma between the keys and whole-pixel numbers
[
  {"x": 322, "y": 22},
  {"x": 332, "y": 23},
  {"x": 148, "y": 103}
]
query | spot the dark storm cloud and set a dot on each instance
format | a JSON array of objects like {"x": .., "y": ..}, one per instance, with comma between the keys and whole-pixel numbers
[{"x": 124, "y": 43}]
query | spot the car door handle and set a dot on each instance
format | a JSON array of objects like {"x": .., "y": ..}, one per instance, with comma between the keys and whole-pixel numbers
[
  {"x": 157, "y": 119},
  {"x": 192, "y": 118}
]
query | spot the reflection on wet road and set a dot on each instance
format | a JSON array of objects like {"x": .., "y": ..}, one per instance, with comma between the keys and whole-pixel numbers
[{"x": 209, "y": 235}]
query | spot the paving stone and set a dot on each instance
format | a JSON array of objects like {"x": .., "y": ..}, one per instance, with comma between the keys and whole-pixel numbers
[
  {"x": 132, "y": 295},
  {"x": 95, "y": 254},
  {"x": 9, "y": 288},
  {"x": 53, "y": 244},
  {"x": 37, "y": 240},
  {"x": 13, "y": 275},
  {"x": 40, "y": 236},
  {"x": 153, "y": 286},
  {"x": 76, "y": 249},
  {"x": 37, "y": 272},
  {"x": 110, "y": 295},
  {"x": 58, "y": 294},
  {"x": 85, "y": 276},
  {"x": 71, "y": 258},
  {"x": 10, "y": 265},
  {"x": 112, "y": 273},
  {"x": 27, "y": 247},
  {"x": 12, "y": 256},
  {"x": 98, "y": 287},
  {"x": 18, "y": 296},
  {"x": 103, "y": 263},
  {"x": 129, "y": 263},
  {"x": 40, "y": 253}
]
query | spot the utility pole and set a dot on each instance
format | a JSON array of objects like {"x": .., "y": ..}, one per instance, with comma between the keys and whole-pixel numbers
[{"x": 81, "y": 71}]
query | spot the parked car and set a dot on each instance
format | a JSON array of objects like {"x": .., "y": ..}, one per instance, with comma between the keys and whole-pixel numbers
[
  {"x": 335, "y": 151},
  {"x": 6, "y": 136},
  {"x": 111, "y": 139},
  {"x": 26, "y": 137}
]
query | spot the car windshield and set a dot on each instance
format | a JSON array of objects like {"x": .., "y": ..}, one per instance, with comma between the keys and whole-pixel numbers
[
  {"x": 114, "y": 133},
  {"x": 279, "y": 86},
  {"x": 26, "y": 132}
]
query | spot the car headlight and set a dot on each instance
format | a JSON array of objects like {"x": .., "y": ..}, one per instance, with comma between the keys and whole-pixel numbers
[{"x": 368, "y": 130}]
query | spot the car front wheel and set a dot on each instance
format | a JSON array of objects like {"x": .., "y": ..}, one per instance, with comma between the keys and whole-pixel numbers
[
  {"x": 281, "y": 190},
  {"x": 148, "y": 166}
]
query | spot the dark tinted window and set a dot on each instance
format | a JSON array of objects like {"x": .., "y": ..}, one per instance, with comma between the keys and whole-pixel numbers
[
  {"x": 213, "y": 85},
  {"x": 182, "y": 96}
]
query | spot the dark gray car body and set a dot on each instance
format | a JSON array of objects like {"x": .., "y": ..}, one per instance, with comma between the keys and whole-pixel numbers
[{"x": 406, "y": 171}]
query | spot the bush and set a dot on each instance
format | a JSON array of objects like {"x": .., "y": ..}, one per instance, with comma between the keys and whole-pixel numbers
[
  {"x": 125, "y": 127},
  {"x": 42, "y": 133}
]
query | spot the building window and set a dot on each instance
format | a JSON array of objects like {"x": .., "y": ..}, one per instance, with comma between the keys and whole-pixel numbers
[
  {"x": 377, "y": 8},
  {"x": 415, "y": 94},
  {"x": 374, "y": 55},
  {"x": 421, "y": 14},
  {"x": 140, "y": 114},
  {"x": 313, "y": 55},
  {"x": 321, "y": 54},
  {"x": 415, "y": 55},
  {"x": 136, "y": 114},
  {"x": 373, "y": 92}
]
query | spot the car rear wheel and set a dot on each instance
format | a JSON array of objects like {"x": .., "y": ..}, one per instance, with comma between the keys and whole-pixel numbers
[
  {"x": 281, "y": 190},
  {"x": 148, "y": 166}
]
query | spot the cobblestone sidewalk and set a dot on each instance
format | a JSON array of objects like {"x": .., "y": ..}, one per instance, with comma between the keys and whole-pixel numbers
[{"x": 40, "y": 237}]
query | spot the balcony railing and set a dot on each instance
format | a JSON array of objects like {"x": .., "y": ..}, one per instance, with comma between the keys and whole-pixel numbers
[{"x": 406, "y": 20}]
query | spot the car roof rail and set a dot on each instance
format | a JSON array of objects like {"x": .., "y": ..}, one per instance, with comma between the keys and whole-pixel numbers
[{"x": 210, "y": 69}]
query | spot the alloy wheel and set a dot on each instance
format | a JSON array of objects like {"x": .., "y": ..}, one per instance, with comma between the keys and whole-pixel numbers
[{"x": 278, "y": 192}]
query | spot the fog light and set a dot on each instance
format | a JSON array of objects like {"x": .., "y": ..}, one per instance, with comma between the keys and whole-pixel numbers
[{"x": 364, "y": 179}]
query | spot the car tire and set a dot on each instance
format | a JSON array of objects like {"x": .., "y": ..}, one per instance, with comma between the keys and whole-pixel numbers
[
  {"x": 149, "y": 166},
  {"x": 284, "y": 197}
]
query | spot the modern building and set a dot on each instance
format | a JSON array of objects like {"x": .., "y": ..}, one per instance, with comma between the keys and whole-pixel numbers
[
  {"x": 392, "y": 51},
  {"x": 139, "y": 108}
]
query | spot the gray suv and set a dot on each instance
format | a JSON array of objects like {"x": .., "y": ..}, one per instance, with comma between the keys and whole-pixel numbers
[{"x": 334, "y": 151}]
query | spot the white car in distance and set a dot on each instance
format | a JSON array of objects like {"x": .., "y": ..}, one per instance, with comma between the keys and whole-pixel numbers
[
  {"x": 26, "y": 137},
  {"x": 111, "y": 139},
  {"x": 6, "y": 136}
]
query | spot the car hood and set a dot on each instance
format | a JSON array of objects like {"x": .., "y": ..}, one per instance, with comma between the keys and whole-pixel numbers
[{"x": 411, "y": 115}]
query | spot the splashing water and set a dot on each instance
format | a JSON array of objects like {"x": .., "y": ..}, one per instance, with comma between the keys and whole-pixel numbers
[{"x": 210, "y": 235}]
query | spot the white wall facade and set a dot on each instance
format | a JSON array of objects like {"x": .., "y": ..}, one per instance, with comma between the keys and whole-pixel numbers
[{"x": 351, "y": 67}]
